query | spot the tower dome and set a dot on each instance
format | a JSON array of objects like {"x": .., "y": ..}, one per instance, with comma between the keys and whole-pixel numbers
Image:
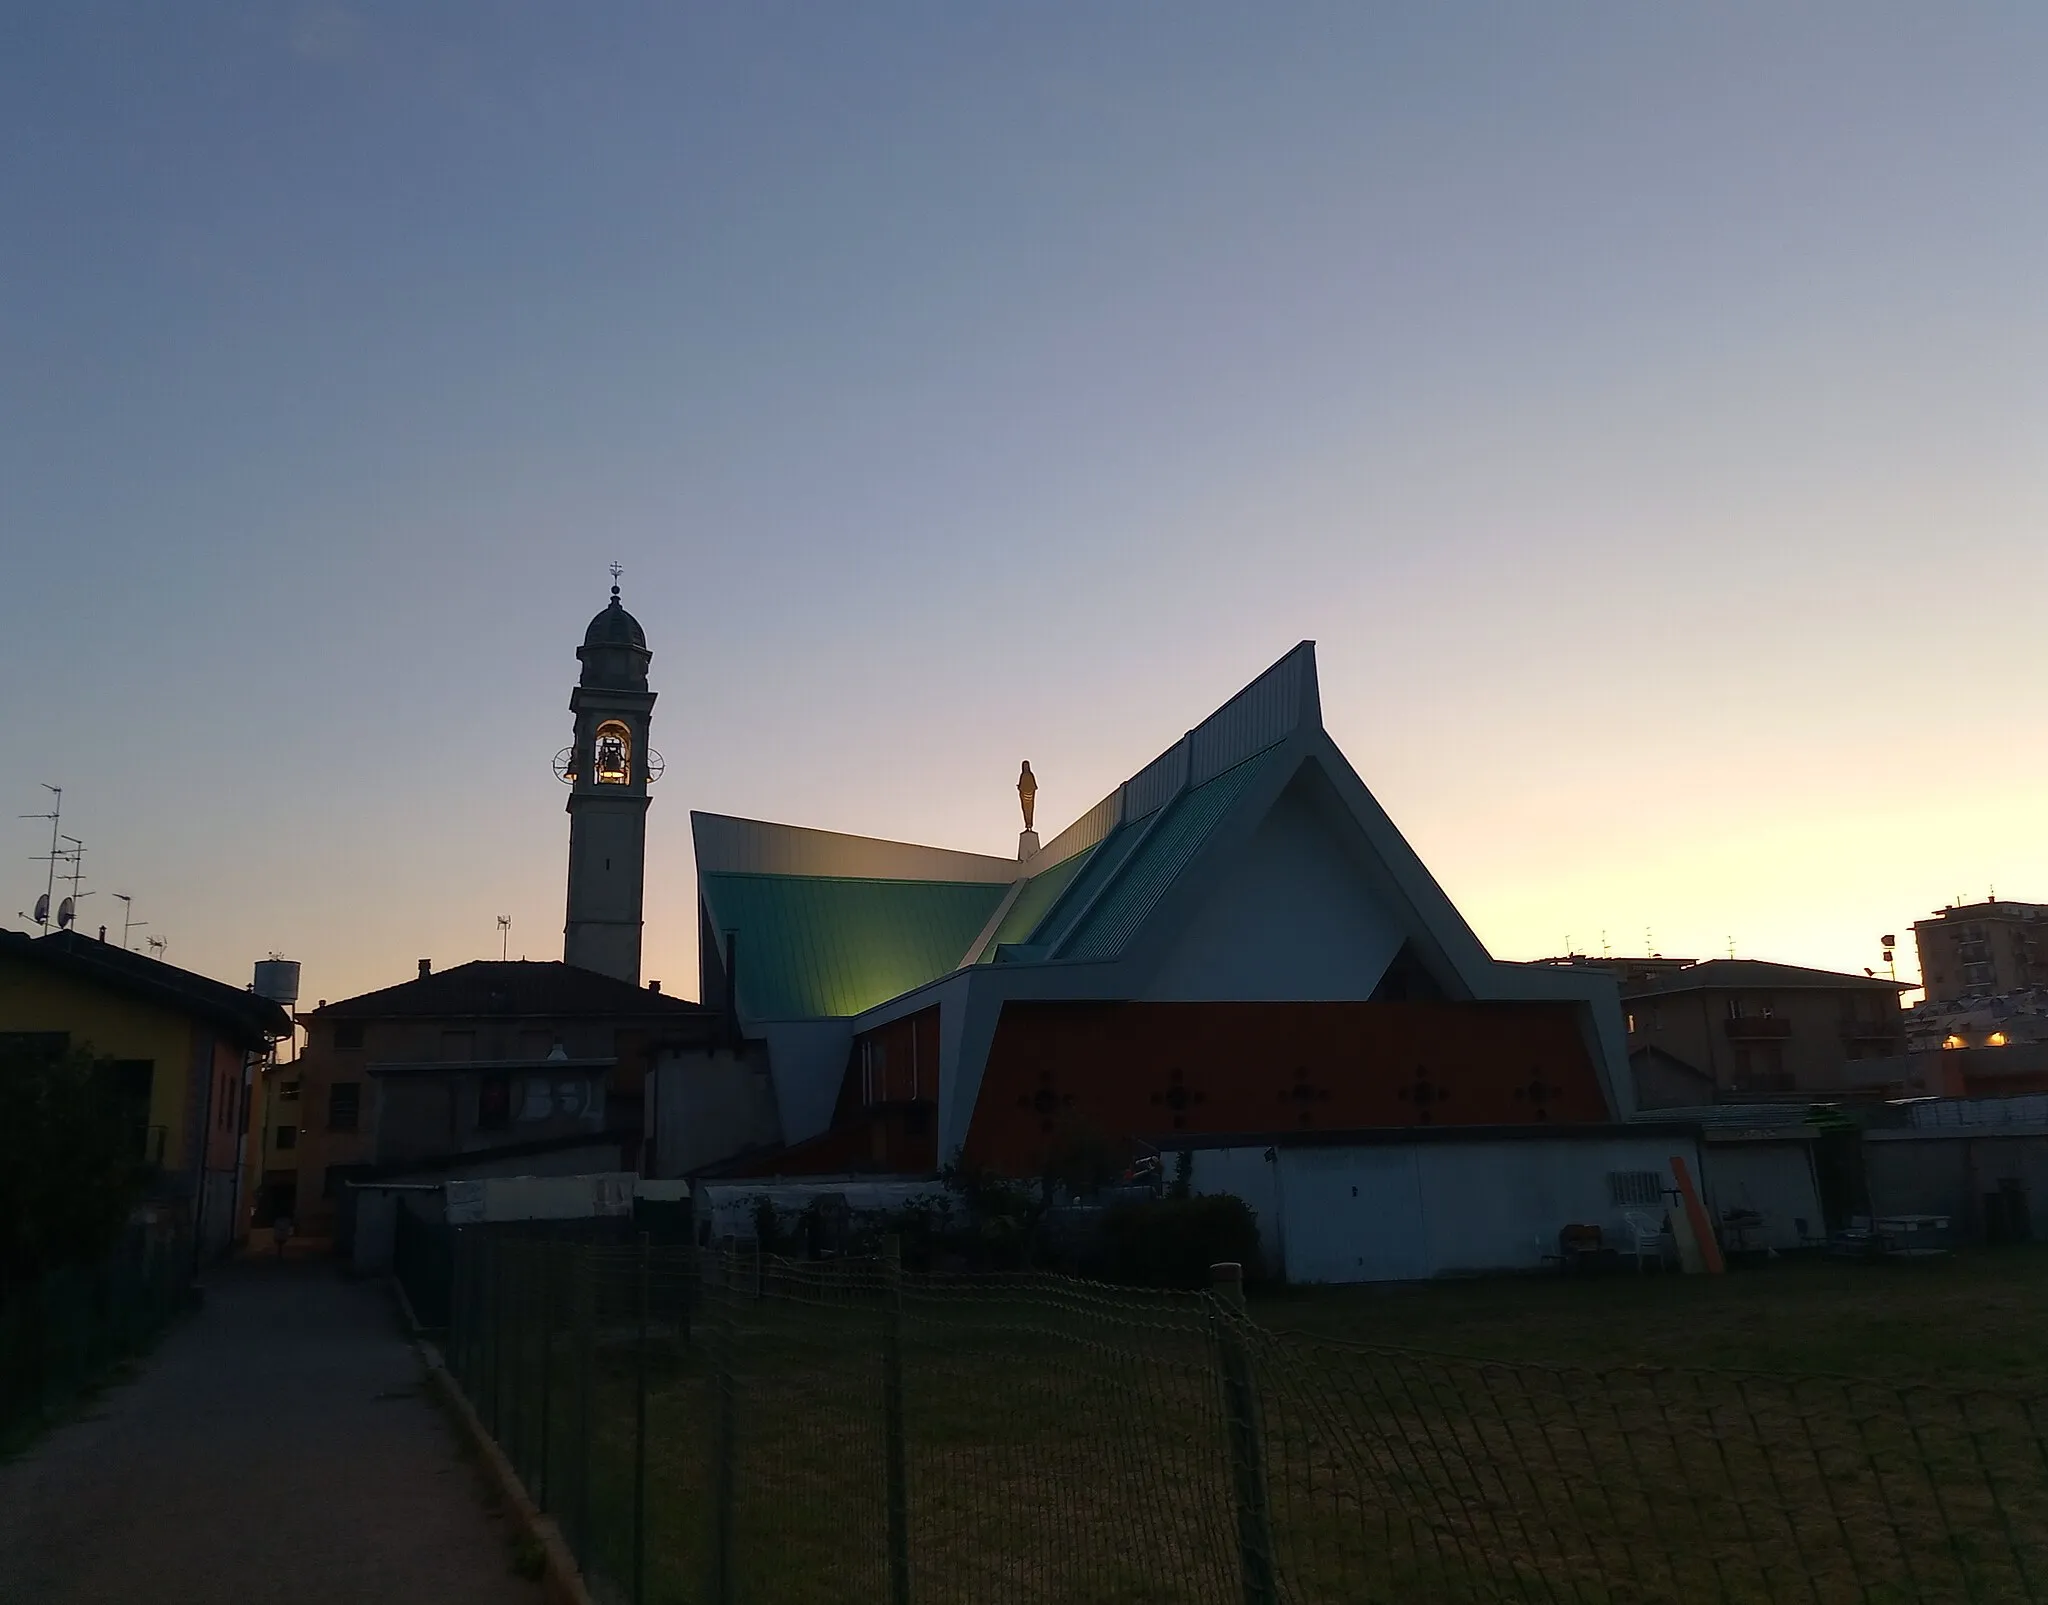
[
  {"x": 614, "y": 651},
  {"x": 615, "y": 627}
]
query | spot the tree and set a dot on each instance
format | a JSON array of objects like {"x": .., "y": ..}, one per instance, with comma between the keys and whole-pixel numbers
[{"x": 70, "y": 1172}]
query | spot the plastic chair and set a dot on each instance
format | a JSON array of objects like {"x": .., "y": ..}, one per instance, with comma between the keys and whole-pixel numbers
[{"x": 1645, "y": 1233}]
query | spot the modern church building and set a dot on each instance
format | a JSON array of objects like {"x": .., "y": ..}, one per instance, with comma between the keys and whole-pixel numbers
[{"x": 1234, "y": 950}]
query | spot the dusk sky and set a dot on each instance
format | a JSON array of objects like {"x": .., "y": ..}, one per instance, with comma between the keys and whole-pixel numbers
[{"x": 1644, "y": 408}]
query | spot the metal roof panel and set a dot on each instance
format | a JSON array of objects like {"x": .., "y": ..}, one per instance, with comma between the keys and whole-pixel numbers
[
  {"x": 1107, "y": 927},
  {"x": 819, "y": 947}
]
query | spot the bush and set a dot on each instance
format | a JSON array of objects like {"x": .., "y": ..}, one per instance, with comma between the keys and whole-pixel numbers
[
  {"x": 1172, "y": 1242},
  {"x": 70, "y": 1163}
]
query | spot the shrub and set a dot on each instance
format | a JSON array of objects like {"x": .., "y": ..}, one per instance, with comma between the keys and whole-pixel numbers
[{"x": 1172, "y": 1242}]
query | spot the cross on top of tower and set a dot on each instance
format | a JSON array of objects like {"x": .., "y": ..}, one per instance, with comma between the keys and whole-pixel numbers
[{"x": 617, "y": 570}]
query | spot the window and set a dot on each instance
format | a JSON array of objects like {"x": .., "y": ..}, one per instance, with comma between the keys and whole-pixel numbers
[
  {"x": 344, "y": 1105},
  {"x": 348, "y": 1036},
  {"x": 494, "y": 1102},
  {"x": 1631, "y": 1025},
  {"x": 1735, "y": 1008},
  {"x": 614, "y": 754},
  {"x": 288, "y": 1092},
  {"x": 287, "y": 1137},
  {"x": 1637, "y": 1189}
]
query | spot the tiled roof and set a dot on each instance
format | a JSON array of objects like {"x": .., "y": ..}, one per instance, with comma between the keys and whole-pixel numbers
[
  {"x": 248, "y": 1018},
  {"x": 518, "y": 987},
  {"x": 1752, "y": 974},
  {"x": 818, "y": 947}
]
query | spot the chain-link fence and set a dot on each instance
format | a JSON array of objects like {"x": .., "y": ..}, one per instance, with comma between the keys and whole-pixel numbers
[
  {"x": 62, "y": 1333},
  {"x": 727, "y": 1430}
]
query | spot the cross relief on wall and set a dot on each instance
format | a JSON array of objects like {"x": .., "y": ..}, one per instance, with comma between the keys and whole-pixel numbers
[
  {"x": 1178, "y": 1097},
  {"x": 1304, "y": 1095}
]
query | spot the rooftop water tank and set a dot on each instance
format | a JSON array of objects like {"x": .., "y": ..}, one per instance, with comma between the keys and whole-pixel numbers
[{"x": 278, "y": 980}]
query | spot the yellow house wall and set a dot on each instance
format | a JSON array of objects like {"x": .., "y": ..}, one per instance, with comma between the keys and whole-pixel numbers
[{"x": 33, "y": 998}]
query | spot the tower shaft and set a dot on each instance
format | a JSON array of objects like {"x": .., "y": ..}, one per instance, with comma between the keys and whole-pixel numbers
[{"x": 608, "y": 778}]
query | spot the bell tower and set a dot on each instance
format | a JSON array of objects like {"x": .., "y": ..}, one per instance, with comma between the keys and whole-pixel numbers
[{"x": 608, "y": 771}]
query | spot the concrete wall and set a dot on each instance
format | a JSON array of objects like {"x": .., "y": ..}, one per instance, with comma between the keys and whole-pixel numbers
[
  {"x": 707, "y": 1104},
  {"x": 1773, "y": 1178},
  {"x": 726, "y": 1209},
  {"x": 1914, "y": 1174},
  {"x": 808, "y": 1062},
  {"x": 1292, "y": 920},
  {"x": 1403, "y": 1211}
]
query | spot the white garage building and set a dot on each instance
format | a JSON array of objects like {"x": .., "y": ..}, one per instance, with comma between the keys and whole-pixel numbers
[{"x": 1385, "y": 1206}]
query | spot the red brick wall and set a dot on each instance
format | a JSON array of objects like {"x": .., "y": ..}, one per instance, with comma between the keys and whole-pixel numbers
[{"x": 1132, "y": 1069}]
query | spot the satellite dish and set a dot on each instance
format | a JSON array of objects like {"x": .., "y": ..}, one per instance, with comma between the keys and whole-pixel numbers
[
  {"x": 43, "y": 909},
  {"x": 64, "y": 912}
]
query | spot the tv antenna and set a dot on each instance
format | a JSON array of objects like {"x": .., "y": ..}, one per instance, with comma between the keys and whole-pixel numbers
[
  {"x": 129, "y": 923},
  {"x": 56, "y": 813},
  {"x": 158, "y": 946},
  {"x": 67, "y": 911},
  {"x": 504, "y": 936}
]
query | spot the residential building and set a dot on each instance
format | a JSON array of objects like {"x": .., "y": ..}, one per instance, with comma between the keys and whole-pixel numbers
[
  {"x": 184, "y": 1048},
  {"x": 537, "y": 1065},
  {"x": 1745, "y": 1029},
  {"x": 1983, "y": 950}
]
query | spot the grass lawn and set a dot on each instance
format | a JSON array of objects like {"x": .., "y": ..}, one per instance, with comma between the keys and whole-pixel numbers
[
  {"x": 1978, "y": 1320},
  {"x": 1586, "y": 1440}
]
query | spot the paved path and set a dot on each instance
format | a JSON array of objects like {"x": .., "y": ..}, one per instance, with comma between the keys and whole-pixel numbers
[{"x": 278, "y": 1449}]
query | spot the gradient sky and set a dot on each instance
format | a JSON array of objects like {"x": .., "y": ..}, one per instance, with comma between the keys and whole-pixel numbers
[{"x": 1645, "y": 408}]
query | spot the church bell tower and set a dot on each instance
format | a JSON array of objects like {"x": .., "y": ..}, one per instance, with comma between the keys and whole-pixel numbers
[{"x": 608, "y": 771}]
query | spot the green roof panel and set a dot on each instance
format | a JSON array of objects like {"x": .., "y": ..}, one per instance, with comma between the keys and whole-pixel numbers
[
  {"x": 1035, "y": 901},
  {"x": 1154, "y": 861},
  {"x": 819, "y": 947}
]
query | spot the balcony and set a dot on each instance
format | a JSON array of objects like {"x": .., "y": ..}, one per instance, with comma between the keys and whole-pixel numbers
[
  {"x": 1875, "y": 1031},
  {"x": 1757, "y": 1028}
]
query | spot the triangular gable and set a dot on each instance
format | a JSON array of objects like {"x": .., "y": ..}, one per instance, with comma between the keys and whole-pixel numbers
[{"x": 1289, "y": 915}]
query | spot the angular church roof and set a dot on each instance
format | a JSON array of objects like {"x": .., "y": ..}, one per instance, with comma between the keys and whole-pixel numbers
[{"x": 831, "y": 924}]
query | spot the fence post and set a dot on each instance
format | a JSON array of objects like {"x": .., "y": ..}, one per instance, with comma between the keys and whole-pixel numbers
[
  {"x": 720, "y": 1340},
  {"x": 494, "y": 1321},
  {"x": 895, "y": 1467},
  {"x": 1241, "y": 1425},
  {"x": 550, "y": 1262},
  {"x": 583, "y": 1350},
  {"x": 640, "y": 1440}
]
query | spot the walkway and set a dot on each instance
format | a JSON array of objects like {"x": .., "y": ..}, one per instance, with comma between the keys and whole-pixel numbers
[{"x": 277, "y": 1449}]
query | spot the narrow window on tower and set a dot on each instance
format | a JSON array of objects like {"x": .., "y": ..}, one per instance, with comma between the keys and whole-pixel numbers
[{"x": 614, "y": 754}]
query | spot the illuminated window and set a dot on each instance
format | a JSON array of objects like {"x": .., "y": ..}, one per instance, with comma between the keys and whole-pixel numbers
[
  {"x": 1995, "y": 1040},
  {"x": 1953, "y": 1041},
  {"x": 614, "y": 754}
]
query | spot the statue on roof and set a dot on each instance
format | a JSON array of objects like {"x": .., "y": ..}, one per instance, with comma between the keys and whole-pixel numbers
[{"x": 1027, "y": 792}]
